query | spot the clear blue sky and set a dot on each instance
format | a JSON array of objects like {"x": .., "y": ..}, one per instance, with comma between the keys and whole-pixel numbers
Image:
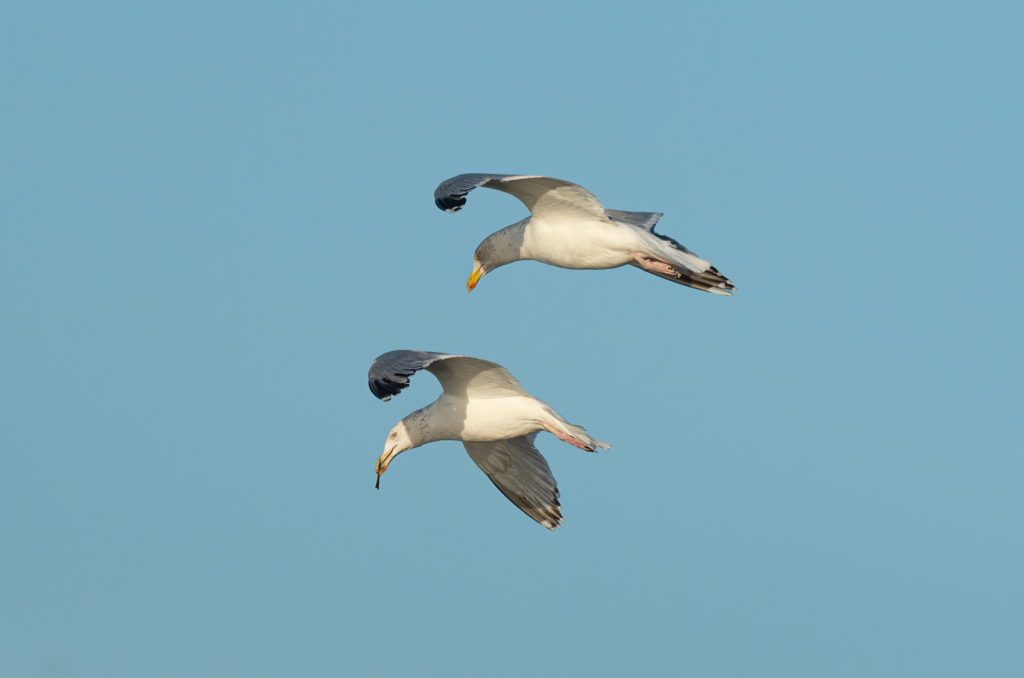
[{"x": 215, "y": 215}]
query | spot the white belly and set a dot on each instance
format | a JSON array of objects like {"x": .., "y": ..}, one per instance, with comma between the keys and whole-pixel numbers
[
  {"x": 501, "y": 418},
  {"x": 586, "y": 244}
]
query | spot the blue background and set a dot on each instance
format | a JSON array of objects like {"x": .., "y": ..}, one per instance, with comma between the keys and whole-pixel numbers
[{"x": 215, "y": 215}]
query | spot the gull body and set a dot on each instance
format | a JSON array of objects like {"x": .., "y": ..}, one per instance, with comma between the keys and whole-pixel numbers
[
  {"x": 484, "y": 407},
  {"x": 568, "y": 227},
  {"x": 587, "y": 244},
  {"x": 455, "y": 418}
]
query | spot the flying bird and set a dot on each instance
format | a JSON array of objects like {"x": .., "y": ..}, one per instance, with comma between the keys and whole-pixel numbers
[
  {"x": 570, "y": 228},
  {"x": 497, "y": 421}
]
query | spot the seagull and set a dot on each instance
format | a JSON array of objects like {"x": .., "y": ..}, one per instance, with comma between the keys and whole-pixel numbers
[
  {"x": 497, "y": 421},
  {"x": 570, "y": 228}
]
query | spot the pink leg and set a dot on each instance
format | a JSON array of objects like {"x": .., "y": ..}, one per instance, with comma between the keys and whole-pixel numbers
[
  {"x": 566, "y": 438},
  {"x": 654, "y": 266}
]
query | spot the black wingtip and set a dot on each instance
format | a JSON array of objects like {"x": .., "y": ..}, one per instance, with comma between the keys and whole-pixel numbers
[
  {"x": 450, "y": 203},
  {"x": 385, "y": 388}
]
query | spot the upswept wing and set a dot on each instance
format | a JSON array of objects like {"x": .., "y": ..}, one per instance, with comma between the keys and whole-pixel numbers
[
  {"x": 459, "y": 375},
  {"x": 543, "y": 196}
]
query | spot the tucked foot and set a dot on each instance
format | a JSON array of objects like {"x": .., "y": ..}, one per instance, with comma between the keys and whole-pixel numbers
[{"x": 571, "y": 439}]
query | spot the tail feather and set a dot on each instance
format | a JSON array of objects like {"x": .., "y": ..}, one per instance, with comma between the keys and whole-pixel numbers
[
  {"x": 581, "y": 433},
  {"x": 674, "y": 262},
  {"x": 708, "y": 281}
]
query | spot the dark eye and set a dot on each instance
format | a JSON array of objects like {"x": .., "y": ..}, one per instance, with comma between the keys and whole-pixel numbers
[{"x": 394, "y": 434}]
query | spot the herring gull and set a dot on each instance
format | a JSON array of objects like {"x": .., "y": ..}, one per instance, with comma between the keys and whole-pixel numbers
[
  {"x": 485, "y": 407},
  {"x": 570, "y": 228}
]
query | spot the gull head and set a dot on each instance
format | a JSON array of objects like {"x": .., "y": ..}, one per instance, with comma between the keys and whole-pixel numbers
[
  {"x": 398, "y": 441},
  {"x": 499, "y": 248}
]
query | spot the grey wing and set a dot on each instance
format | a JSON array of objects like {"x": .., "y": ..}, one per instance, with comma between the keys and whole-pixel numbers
[
  {"x": 466, "y": 377},
  {"x": 459, "y": 375},
  {"x": 523, "y": 476},
  {"x": 541, "y": 195},
  {"x": 450, "y": 195}
]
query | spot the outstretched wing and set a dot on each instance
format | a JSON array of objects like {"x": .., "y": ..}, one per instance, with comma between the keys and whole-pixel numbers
[
  {"x": 543, "y": 196},
  {"x": 521, "y": 473},
  {"x": 459, "y": 375}
]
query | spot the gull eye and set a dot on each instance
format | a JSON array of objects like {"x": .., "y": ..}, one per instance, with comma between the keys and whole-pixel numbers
[{"x": 394, "y": 434}]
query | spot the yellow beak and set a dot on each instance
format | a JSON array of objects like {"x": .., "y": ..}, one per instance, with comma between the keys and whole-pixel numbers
[{"x": 474, "y": 277}]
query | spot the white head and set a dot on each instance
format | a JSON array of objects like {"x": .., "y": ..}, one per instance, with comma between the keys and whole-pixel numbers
[{"x": 398, "y": 441}]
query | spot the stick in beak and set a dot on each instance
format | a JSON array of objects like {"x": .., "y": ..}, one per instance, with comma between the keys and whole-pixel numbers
[{"x": 382, "y": 465}]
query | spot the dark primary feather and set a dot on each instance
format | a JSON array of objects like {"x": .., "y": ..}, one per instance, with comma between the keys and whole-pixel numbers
[{"x": 389, "y": 374}]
